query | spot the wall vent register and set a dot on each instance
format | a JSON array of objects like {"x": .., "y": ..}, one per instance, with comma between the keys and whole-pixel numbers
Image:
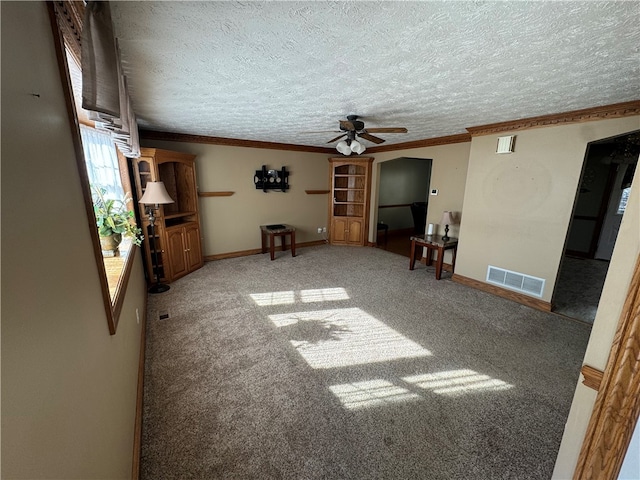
[{"x": 515, "y": 281}]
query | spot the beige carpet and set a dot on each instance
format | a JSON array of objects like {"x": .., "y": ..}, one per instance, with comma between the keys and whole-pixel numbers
[{"x": 342, "y": 363}]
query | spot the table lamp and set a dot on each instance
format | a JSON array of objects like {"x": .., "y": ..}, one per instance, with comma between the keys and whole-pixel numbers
[
  {"x": 154, "y": 195},
  {"x": 448, "y": 218}
]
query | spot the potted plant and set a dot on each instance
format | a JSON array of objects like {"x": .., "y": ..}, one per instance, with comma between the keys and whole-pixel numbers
[{"x": 114, "y": 220}]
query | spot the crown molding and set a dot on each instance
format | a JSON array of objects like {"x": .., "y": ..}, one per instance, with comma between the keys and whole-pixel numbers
[
  {"x": 230, "y": 142},
  {"x": 604, "y": 112},
  {"x": 429, "y": 142}
]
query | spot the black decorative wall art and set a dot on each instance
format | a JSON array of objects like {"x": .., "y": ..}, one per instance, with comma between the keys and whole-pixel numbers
[{"x": 271, "y": 179}]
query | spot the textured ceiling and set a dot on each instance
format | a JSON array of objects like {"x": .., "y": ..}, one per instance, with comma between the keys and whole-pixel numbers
[{"x": 269, "y": 71}]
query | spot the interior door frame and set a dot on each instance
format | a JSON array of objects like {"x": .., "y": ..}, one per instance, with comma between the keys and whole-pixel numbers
[{"x": 617, "y": 406}]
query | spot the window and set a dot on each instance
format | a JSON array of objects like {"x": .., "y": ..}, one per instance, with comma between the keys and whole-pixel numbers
[
  {"x": 624, "y": 198},
  {"x": 101, "y": 158},
  {"x": 98, "y": 161}
]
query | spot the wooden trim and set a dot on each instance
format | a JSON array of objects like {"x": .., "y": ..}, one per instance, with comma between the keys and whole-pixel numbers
[
  {"x": 240, "y": 253},
  {"x": 617, "y": 405},
  {"x": 503, "y": 292},
  {"x": 348, "y": 160},
  {"x": 592, "y": 377},
  {"x": 231, "y": 142},
  {"x": 255, "y": 251},
  {"x": 429, "y": 142},
  {"x": 137, "y": 431},
  {"x": 394, "y": 206},
  {"x": 316, "y": 192},
  {"x": 617, "y": 110},
  {"x": 215, "y": 194}
]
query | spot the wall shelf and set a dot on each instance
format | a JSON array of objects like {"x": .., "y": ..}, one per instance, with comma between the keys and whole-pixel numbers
[
  {"x": 215, "y": 194},
  {"x": 317, "y": 192}
]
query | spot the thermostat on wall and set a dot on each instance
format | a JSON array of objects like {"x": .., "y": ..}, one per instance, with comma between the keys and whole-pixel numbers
[{"x": 434, "y": 191}]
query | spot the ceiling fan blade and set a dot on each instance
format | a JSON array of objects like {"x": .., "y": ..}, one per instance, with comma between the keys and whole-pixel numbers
[
  {"x": 347, "y": 125},
  {"x": 337, "y": 138},
  {"x": 388, "y": 130},
  {"x": 321, "y": 131},
  {"x": 371, "y": 138}
]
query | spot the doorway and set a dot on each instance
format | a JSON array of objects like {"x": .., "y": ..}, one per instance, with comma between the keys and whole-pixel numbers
[
  {"x": 403, "y": 196},
  {"x": 608, "y": 170}
]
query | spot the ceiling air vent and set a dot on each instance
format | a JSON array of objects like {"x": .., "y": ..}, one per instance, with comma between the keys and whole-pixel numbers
[{"x": 515, "y": 281}]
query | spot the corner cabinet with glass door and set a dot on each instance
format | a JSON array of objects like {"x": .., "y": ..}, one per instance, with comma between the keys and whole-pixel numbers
[
  {"x": 177, "y": 225},
  {"x": 349, "y": 202}
]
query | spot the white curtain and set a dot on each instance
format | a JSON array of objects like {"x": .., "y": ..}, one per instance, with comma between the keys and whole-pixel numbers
[
  {"x": 104, "y": 86},
  {"x": 102, "y": 162}
]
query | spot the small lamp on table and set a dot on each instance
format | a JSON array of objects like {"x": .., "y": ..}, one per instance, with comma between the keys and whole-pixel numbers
[{"x": 448, "y": 218}]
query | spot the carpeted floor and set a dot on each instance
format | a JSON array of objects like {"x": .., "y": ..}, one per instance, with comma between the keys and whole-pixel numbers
[
  {"x": 579, "y": 287},
  {"x": 342, "y": 363}
]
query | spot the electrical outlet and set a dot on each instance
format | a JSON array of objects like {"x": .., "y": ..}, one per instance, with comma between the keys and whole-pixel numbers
[
  {"x": 137, "y": 316},
  {"x": 324, "y": 229},
  {"x": 319, "y": 229}
]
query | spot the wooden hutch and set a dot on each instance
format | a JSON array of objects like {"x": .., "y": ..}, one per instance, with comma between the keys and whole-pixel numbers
[
  {"x": 177, "y": 225},
  {"x": 349, "y": 201}
]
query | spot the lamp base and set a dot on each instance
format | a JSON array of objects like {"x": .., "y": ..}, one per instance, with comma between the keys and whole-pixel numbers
[
  {"x": 158, "y": 288},
  {"x": 445, "y": 237}
]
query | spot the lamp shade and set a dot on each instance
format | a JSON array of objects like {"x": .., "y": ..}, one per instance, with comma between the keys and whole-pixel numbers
[
  {"x": 448, "y": 218},
  {"x": 155, "y": 193}
]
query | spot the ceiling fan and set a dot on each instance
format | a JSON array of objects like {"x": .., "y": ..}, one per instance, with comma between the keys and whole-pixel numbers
[{"x": 355, "y": 128}]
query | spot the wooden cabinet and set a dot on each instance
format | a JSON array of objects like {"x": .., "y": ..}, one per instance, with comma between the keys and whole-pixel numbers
[
  {"x": 349, "y": 203},
  {"x": 177, "y": 225},
  {"x": 183, "y": 248}
]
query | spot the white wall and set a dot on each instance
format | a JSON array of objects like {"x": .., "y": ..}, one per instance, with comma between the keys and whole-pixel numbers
[{"x": 68, "y": 387}]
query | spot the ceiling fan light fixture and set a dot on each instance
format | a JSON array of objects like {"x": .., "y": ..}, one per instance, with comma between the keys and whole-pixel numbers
[
  {"x": 342, "y": 147},
  {"x": 357, "y": 147}
]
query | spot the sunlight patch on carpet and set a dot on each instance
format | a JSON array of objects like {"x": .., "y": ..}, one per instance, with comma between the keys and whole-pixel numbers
[
  {"x": 371, "y": 393},
  {"x": 305, "y": 296},
  {"x": 274, "y": 298},
  {"x": 343, "y": 337},
  {"x": 323, "y": 295},
  {"x": 457, "y": 382}
]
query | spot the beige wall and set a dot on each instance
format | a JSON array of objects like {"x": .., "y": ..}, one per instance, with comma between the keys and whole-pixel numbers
[
  {"x": 231, "y": 224},
  {"x": 517, "y": 207},
  {"x": 68, "y": 387},
  {"x": 448, "y": 175}
]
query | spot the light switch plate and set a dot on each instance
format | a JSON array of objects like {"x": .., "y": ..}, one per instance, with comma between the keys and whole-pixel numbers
[{"x": 434, "y": 191}]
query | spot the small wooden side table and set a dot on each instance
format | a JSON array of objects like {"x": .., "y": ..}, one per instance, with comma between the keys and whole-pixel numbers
[
  {"x": 431, "y": 243},
  {"x": 271, "y": 231}
]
